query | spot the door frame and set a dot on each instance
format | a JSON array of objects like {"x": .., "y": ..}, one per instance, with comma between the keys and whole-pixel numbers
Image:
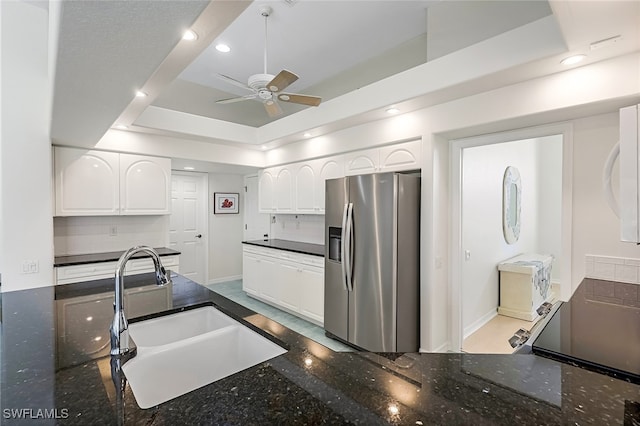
[
  {"x": 456, "y": 148},
  {"x": 204, "y": 212}
]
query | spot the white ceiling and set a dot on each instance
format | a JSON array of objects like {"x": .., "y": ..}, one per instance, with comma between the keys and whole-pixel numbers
[{"x": 358, "y": 55}]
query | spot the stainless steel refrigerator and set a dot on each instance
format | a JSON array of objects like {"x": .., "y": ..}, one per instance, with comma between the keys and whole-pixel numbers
[{"x": 372, "y": 272}]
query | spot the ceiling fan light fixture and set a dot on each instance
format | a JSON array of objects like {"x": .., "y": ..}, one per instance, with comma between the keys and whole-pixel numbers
[
  {"x": 190, "y": 35},
  {"x": 224, "y": 48}
]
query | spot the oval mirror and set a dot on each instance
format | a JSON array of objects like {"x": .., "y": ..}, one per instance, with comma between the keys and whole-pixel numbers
[{"x": 511, "y": 204}]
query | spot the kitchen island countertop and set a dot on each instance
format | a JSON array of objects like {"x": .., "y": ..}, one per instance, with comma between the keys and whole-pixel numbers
[
  {"x": 308, "y": 385},
  {"x": 112, "y": 256}
]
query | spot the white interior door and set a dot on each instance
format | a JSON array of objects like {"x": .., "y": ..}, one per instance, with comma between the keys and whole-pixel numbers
[
  {"x": 256, "y": 224},
  {"x": 188, "y": 223}
]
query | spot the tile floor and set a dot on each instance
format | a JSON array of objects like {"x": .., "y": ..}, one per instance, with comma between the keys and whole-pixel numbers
[
  {"x": 493, "y": 337},
  {"x": 233, "y": 290}
]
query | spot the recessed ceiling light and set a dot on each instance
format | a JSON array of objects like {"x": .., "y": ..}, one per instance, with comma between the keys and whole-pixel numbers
[
  {"x": 189, "y": 168},
  {"x": 190, "y": 35},
  {"x": 140, "y": 94},
  {"x": 121, "y": 127},
  {"x": 392, "y": 110},
  {"x": 221, "y": 47},
  {"x": 264, "y": 147},
  {"x": 307, "y": 135},
  {"x": 571, "y": 60}
]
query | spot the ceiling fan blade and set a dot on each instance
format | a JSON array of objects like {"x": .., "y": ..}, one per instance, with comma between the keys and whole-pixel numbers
[
  {"x": 300, "y": 99},
  {"x": 238, "y": 99},
  {"x": 281, "y": 81},
  {"x": 234, "y": 82},
  {"x": 272, "y": 107}
]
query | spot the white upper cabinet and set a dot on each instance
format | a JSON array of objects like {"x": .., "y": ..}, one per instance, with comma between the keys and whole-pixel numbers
[
  {"x": 266, "y": 191},
  {"x": 328, "y": 168},
  {"x": 305, "y": 187},
  {"x": 87, "y": 182},
  {"x": 310, "y": 183},
  {"x": 144, "y": 185},
  {"x": 284, "y": 190},
  {"x": 402, "y": 156},
  {"x": 94, "y": 183},
  {"x": 391, "y": 158},
  {"x": 299, "y": 188},
  {"x": 362, "y": 162}
]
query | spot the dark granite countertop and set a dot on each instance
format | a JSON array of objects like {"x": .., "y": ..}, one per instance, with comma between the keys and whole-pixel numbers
[
  {"x": 82, "y": 259},
  {"x": 309, "y": 385},
  {"x": 286, "y": 245}
]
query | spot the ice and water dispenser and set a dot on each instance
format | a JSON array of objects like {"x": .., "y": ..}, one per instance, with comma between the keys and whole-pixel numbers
[{"x": 335, "y": 244}]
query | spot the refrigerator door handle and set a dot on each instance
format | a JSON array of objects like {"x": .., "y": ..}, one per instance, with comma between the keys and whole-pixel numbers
[
  {"x": 343, "y": 247},
  {"x": 349, "y": 247}
]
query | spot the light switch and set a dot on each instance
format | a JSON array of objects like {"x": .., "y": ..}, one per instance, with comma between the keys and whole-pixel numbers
[{"x": 467, "y": 255}]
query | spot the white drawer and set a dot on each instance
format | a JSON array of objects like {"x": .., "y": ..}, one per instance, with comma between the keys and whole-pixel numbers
[
  {"x": 262, "y": 251},
  {"x": 97, "y": 271},
  {"x": 89, "y": 271},
  {"x": 146, "y": 265},
  {"x": 306, "y": 259}
]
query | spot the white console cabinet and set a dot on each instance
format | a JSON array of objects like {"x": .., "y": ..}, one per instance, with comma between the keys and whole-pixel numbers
[
  {"x": 525, "y": 284},
  {"x": 96, "y": 183},
  {"x": 293, "y": 282}
]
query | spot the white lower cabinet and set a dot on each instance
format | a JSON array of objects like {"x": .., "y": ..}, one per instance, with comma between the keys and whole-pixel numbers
[
  {"x": 97, "y": 271},
  {"x": 291, "y": 281},
  {"x": 312, "y": 300}
]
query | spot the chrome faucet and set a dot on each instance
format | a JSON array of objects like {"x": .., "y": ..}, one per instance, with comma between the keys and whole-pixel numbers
[{"x": 119, "y": 327}]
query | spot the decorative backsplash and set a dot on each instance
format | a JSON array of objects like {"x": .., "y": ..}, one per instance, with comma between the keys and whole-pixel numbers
[{"x": 611, "y": 268}]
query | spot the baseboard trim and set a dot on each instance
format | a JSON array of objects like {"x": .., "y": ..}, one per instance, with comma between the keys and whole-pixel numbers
[
  {"x": 477, "y": 324},
  {"x": 440, "y": 349},
  {"x": 224, "y": 279}
]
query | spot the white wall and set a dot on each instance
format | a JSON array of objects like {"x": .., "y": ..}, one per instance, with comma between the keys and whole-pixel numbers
[
  {"x": 305, "y": 228},
  {"x": 94, "y": 234},
  {"x": 482, "y": 175},
  {"x": 596, "y": 228},
  {"x": 26, "y": 228},
  {"x": 549, "y": 226},
  {"x": 225, "y": 231}
]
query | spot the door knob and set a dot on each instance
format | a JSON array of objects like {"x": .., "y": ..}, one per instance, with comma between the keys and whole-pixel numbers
[{"x": 199, "y": 236}]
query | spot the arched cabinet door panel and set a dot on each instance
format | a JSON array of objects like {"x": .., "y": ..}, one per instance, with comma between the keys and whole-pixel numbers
[
  {"x": 145, "y": 184},
  {"x": 362, "y": 162},
  {"x": 284, "y": 190},
  {"x": 403, "y": 156},
  {"x": 329, "y": 168},
  {"x": 266, "y": 191},
  {"x": 305, "y": 188},
  {"x": 86, "y": 182}
]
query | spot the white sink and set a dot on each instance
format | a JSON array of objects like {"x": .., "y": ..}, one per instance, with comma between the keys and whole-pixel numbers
[
  {"x": 180, "y": 326},
  {"x": 193, "y": 357}
]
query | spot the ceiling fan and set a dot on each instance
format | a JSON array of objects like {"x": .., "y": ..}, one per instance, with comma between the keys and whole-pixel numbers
[{"x": 268, "y": 88}]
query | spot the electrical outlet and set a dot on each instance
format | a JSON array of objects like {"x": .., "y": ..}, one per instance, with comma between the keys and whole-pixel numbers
[
  {"x": 297, "y": 224},
  {"x": 30, "y": 267},
  {"x": 273, "y": 219},
  {"x": 113, "y": 230}
]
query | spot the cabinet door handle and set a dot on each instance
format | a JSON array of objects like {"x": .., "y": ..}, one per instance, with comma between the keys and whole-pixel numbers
[{"x": 199, "y": 236}]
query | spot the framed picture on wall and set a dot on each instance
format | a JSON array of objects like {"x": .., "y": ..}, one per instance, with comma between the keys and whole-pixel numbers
[{"x": 225, "y": 203}]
